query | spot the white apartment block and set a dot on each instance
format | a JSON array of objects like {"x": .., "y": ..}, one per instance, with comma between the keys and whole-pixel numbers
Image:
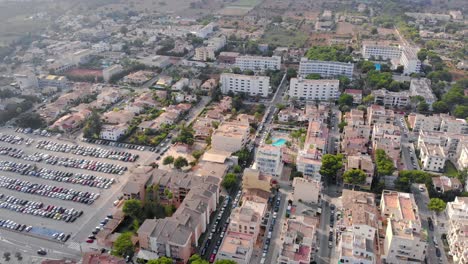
[
  {"x": 251, "y": 85},
  {"x": 379, "y": 50},
  {"x": 310, "y": 90},
  {"x": 462, "y": 161},
  {"x": 405, "y": 239},
  {"x": 306, "y": 190},
  {"x": 258, "y": 63},
  {"x": 410, "y": 61},
  {"x": 420, "y": 122},
  {"x": 457, "y": 235},
  {"x": 230, "y": 136},
  {"x": 391, "y": 99},
  {"x": 326, "y": 69},
  {"x": 422, "y": 87},
  {"x": 269, "y": 160},
  {"x": 453, "y": 125},
  {"x": 113, "y": 132},
  {"x": 432, "y": 157},
  {"x": 108, "y": 72}
]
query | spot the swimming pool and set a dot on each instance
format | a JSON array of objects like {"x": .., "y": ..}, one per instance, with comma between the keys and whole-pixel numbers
[{"x": 278, "y": 142}]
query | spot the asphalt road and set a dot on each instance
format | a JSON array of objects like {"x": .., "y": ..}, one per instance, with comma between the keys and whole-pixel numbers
[{"x": 275, "y": 244}]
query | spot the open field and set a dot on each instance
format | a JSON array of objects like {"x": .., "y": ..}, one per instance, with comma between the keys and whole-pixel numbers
[{"x": 283, "y": 37}]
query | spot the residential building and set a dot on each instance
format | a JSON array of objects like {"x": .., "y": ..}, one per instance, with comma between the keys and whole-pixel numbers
[
  {"x": 291, "y": 114},
  {"x": 391, "y": 99},
  {"x": 209, "y": 85},
  {"x": 326, "y": 69},
  {"x": 111, "y": 71},
  {"x": 69, "y": 122},
  {"x": 251, "y": 85},
  {"x": 462, "y": 160},
  {"x": 307, "y": 190},
  {"x": 419, "y": 122},
  {"x": 432, "y": 157},
  {"x": 268, "y": 159},
  {"x": 322, "y": 90},
  {"x": 117, "y": 117},
  {"x": 453, "y": 125},
  {"x": 354, "y": 117},
  {"x": 356, "y": 94},
  {"x": 422, "y": 87},
  {"x": 138, "y": 78},
  {"x": 247, "y": 218},
  {"x": 364, "y": 163},
  {"x": 252, "y": 179},
  {"x": 204, "y": 54},
  {"x": 405, "y": 239},
  {"x": 26, "y": 80},
  {"x": 113, "y": 132},
  {"x": 380, "y": 50},
  {"x": 258, "y": 63},
  {"x": 299, "y": 240},
  {"x": 60, "y": 82},
  {"x": 387, "y": 131},
  {"x": 378, "y": 114},
  {"x": 457, "y": 234},
  {"x": 443, "y": 184},
  {"x": 409, "y": 60},
  {"x": 230, "y": 136},
  {"x": 228, "y": 57},
  {"x": 236, "y": 246},
  {"x": 204, "y": 31}
]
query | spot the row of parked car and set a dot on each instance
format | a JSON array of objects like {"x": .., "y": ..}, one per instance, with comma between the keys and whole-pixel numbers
[
  {"x": 87, "y": 151},
  {"x": 218, "y": 228},
  {"x": 48, "y": 190},
  {"x": 13, "y": 139},
  {"x": 9, "y": 224},
  {"x": 81, "y": 163},
  {"x": 55, "y": 175},
  {"x": 113, "y": 144},
  {"x": 38, "y": 209},
  {"x": 33, "y": 131},
  {"x": 60, "y": 237}
]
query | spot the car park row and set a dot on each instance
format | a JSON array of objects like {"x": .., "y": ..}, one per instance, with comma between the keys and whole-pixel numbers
[
  {"x": 54, "y": 175},
  {"x": 9, "y": 224},
  {"x": 48, "y": 190},
  {"x": 217, "y": 229},
  {"x": 39, "y": 209},
  {"x": 92, "y": 237},
  {"x": 113, "y": 144},
  {"x": 13, "y": 139},
  {"x": 87, "y": 151}
]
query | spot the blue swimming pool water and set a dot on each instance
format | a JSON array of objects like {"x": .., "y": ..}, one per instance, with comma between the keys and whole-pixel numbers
[{"x": 278, "y": 142}]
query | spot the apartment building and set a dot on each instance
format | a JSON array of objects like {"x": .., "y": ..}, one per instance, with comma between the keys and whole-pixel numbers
[
  {"x": 326, "y": 69},
  {"x": 444, "y": 184},
  {"x": 204, "y": 54},
  {"x": 258, "y": 63},
  {"x": 237, "y": 247},
  {"x": 269, "y": 160},
  {"x": 307, "y": 190},
  {"x": 451, "y": 143},
  {"x": 462, "y": 161},
  {"x": 391, "y": 99},
  {"x": 457, "y": 235},
  {"x": 358, "y": 242},
  {"x": 432, "y": 157},
  {"x": 364, "y": 163},
  {"x": 299, "y": 240},
  {"x": 388, "y": 131},
  {"x": 60, "y": 82},
  {"x": 422, "y": 87},
  {"x": 405, "y": 239},
  {"x": 378, "y": 114},
  {"x": 251, "y": 85},
  {"x": 113, "y": 132},
  {"x": 230, "y": 136},
  {"x": 409, "y": 60},
  {"x": 322, "y": 90},
  {"x": 419, "y": 122},
  {"x": 453, "y": 125},
  {"x": 247, "y": 218},
  {"x": 356, "y": 94},
  {"x": 111, "y": 71},
  {"x": 380, "y": 50},
  {"x": 26, "y": 80}
]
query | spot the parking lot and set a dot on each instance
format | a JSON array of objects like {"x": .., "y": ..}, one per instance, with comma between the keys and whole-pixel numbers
[{"x": 59, "y": 186}]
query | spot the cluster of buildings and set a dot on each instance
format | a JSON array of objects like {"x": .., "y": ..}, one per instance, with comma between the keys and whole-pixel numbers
[{"x": 397, "y": 54}]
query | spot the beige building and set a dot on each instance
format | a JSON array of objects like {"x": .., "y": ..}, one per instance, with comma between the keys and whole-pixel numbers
[
  {"x": 254, "y": 180},
  {"x": 391, "y": 99},
  {"x": 364, "y": 163},
  {"x": 237, "y": 247},
  {"x": 355, "y": 117},
  {"x": 420, "y": 122},
  {"x": 405, "y": 239},
  {"x": 457, "y": 235},
  {"x": 432, "y": 157},
  {"x": 298, "y": 240},
  {"x": 453, "y": 125},
  {"x": 247, "y": 218},
  {"x": 307, "y": 190},
  {"x": 230, "y": 136},
  {"x": 462, "y": 161},
  {"x": 378, "y": 114}
]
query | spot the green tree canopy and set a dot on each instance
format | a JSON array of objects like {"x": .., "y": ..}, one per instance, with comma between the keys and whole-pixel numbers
[
  {"x": 461, "y": 111},
  {"x": 196, "y": 259},
  {"x": 161, "y": 260},
  {"x": 93, "y": 125},
  {"x": 291, "y": 73},
  {"x": 440, "y": 107},
  {"x": 225, "y": 261},
  {"x": 330, "y": 53},
  {"x": 180, "y": 162},
  {"x": 314, "y": 76},
  {"x": 132, "y": 208},
  {"x": 436, "y": 204},
  {"x": 368, "y": 99},
  {"x": 384, "y": 163},
  {"x": 331, "y": 164},
  {"x": 345, "y": 99},
  {"x": 229, "y": 181},
  {"x": 168, "y": 160},
  {"x": 31, "y": 120},
  {"x": 123, "y": 245},
  {"x": 354, "y": 176}
]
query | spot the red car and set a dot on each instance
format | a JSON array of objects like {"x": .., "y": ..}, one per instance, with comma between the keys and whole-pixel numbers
[
  {"x": 212, "y": 258},
  {"x": 90, "y": 241}
]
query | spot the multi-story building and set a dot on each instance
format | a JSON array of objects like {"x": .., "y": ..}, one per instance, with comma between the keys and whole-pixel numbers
[
  {"x": 299, "y": 240},
  {"x": 237, "y": 247},
  {"x": 356, "y": 94},
  {"x": 251, "y": 85},
  {"x": 462, "y": 161},
  {"x": 420, "y": 122},
  {"x": 322, "y": 90},
  {"x": 380, "y": 50},
  {"x": 457, "y": 235},
  {"x": 364, "y": 163},
  {"x": 453, "y": 125},
  {"x": 307, "y": 190},
  {"x": 268, "y": 159},
  {"x": 388, "y": 131},
  {"x": 391, "y": 99},
  {"x": 59, "y": 82},
  {"x": 230, "y": 136},
  {"x": 378, "y": 114},
  {"x": 26, "y": 80},
  {"x": 228, "y": 57},
  {"x": 258, "y": 63},
  {"x": 204, "y": 54},
  {"x": 326, "y": 69},
  {"x": 113, "y": 132},
  {"x": 405, "y": 239},
  {"x": 409, "y": 60},
  {"x": 432, "y": 157},
  {"x": 111, "y": 71},
  {"x": 247, "y": 218},
  {"x": 422, "y": 87}
]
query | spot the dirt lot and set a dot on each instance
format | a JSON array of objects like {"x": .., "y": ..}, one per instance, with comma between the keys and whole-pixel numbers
[
  {"x": 344, "y": 28},
  {"x": 84, "y": 72}
]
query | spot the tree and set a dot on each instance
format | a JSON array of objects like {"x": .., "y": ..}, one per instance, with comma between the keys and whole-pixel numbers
[
  {"x": 384, "y": 163},
  {"x": 196, "y": 259},
  {"x": 422, "y": 54},
  {"x": 313, "y": 76},
  {"x": 132, "y": 208},
  {"x": 161, "y": 260},
  {"x": 331, "y": 164},
  {"x": 437, "y": 205},
  {"x": 461, "y": 111},
  {"x": 197, "y": 154},
  {"x": 31, "y": 120},
  {"x": 124, "y": 30},
  {"x": 365, "y": 66},
  {"x": 291, "y": 73},
  {"x": 93, "y": 126},
  {"x": 229, "y": 181},
  {"x": 185, "y": 136},
  {"x": 374, "y": 31},
  {"x": 180, "y": 162},
  {"x": 237, "y": 168},
  {"x": 123, "y": 245},
  {"x": 225, "y": 261},
  {"x": 440, "y": 107},
  {"x": 368, "y": 99},
  {"x": 423, "y": 106},
  {"x": 168, "y": 160},
  {"x": 345, "y": 99},
  {"x": 354, "y": 176}
]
